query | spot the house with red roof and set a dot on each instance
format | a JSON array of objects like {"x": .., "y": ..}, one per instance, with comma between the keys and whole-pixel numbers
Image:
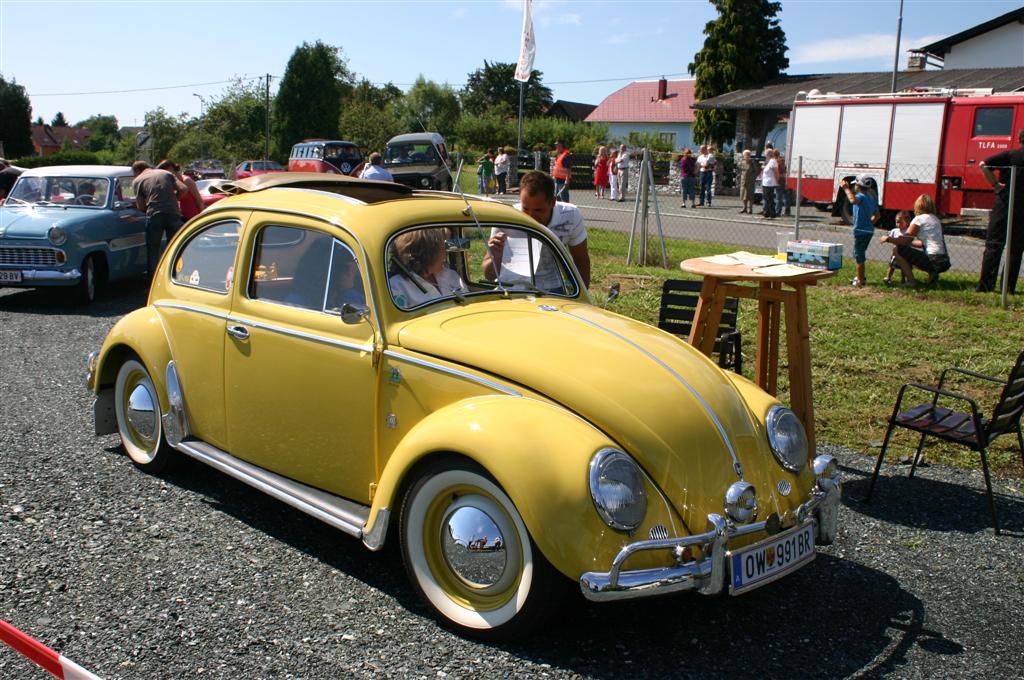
[
  {"x": 47, "y": 139},
  {"x": 659, "y": 107}
]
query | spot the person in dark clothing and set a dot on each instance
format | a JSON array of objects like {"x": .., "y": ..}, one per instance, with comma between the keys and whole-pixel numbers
[
  {"x": 156, "y": 194},
  {"x": 995, "y": 237}
]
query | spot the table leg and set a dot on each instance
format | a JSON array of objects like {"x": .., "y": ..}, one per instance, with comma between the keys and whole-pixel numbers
[
  {"x": 798, "y": 341},
  {"x": 768, "y": 324},
  {"x": 707, "y": 316}
]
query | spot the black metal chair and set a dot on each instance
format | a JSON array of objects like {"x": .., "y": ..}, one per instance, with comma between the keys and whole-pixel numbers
[
  {"x": 960, "y": 427},
  {"x": 679, "y": 305}
]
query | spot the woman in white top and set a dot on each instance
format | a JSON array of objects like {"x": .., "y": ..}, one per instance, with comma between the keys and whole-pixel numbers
[
  {"x": 419, "y": 257},
  {"x": 922, "y": 245},
  {"x": 501, "y": 167}
]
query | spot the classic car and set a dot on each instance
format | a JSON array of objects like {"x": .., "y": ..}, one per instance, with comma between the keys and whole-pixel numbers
[
  {"x": 419, "y": 160},
  {"x": 74, "y": 226},
  {"x": 253, "y": 168},
  {"x": 209, "y": 190},
  {"x": 338, "y": 344}
]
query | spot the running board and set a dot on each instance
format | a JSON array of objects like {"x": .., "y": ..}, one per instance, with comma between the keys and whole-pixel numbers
[{"x": 338, "y": 512}]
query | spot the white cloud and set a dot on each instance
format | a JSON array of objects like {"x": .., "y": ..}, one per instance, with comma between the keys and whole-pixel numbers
[
  {"x": 568, "y": 19},
  {"x": 855, "y": 48}
]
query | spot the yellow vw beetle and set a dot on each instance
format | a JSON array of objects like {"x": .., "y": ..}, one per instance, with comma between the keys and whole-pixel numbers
[{"x": 339, "y": 345}]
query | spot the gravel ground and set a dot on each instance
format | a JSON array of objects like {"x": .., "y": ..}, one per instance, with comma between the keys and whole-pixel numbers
[{"x": 196, "y": 575}]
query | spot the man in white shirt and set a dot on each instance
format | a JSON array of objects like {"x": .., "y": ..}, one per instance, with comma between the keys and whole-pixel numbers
[
  {"x": 622, "y": 163},
  {"x": 537, "y": 199},
  {"x": 375, "y": 170},
  {"x": 705, "y": 174},
  {"x": 769, "y": 183}
]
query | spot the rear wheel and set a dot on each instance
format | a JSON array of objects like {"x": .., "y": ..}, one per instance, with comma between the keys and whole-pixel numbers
[
  {"x": 468, "y": 553},
  {"x": 137, "y": 408}
]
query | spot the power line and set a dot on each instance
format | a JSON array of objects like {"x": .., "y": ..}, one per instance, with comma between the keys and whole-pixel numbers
[{"x": 246, "y": 79}]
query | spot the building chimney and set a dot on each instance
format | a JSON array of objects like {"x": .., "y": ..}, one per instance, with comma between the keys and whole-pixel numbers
[
  {"x": 916, "y": 61},
  {"x": 662, "y": 89}
]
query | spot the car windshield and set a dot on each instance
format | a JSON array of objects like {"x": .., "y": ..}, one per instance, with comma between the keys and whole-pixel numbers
[
  {"x": 342, "y": 152},
  {"x": 410, "y": 152},
  {"x": 90, "y": 192},
  {"x": 266, "y": 165},
  {"x": 428, "y": 264}
]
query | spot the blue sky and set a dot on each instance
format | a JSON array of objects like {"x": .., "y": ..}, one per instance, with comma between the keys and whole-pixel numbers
[{"x": 188, "y": 47}]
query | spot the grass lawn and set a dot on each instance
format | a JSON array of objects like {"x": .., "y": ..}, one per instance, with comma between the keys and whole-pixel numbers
[{"x": 865, "y": 343}]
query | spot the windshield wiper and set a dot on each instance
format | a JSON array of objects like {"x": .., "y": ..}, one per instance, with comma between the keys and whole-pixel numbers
[{"x": 19, "y": 200}]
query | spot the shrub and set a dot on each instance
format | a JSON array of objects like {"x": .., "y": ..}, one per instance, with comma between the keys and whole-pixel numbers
[{"x": 61, "y": 158}]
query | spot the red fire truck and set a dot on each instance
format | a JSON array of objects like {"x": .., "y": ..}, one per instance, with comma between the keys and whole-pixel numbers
[{"x": 910, "y": 143}]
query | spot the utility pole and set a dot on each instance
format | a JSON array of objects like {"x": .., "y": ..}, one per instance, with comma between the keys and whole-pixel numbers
[
  {"x": 896, "y": 59},
  {"x": 202, "y": 124},
  {"x": 266, "y": 134}
]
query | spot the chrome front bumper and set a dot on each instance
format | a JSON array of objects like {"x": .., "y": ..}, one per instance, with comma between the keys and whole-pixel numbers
[
  {"x": 707, "y": 575},
  {"x": 29, "y": 276}
]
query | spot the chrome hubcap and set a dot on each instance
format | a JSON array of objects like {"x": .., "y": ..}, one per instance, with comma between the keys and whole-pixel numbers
[
  {"x": 474, "y": 547},
  {"x": 141, "y": 412}
]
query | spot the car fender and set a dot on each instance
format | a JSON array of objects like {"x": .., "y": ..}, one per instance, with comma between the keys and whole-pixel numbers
[
  {"x": 140, "y": 333},
  {"x": 540, "y": 455}
]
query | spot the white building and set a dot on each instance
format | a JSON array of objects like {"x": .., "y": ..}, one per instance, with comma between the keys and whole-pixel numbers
[{"x": 997, "y": 43}]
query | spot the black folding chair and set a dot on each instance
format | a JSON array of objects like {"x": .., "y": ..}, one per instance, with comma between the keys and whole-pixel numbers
[
  {"x": 679, "y": 305},
  {"x": 960, "y": 427}
]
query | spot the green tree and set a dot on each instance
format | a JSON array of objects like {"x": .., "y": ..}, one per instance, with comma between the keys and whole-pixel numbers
[
  {"x": 16, "y": 120},
  {"x": 234, "y": 127},
  {"x": 369, "y": 126},
  {"x": 429, "y": 107},
  {"x": 308, "y": 102},
  {"x": 164, "y": 131},
  {"x": 105, "y": 135},
  {"x": 379, "y": 96},
  {"x": 744, "y": 46},
  {"x": 494, "y": 90},
  {"x": 39, "y": 121},
  {"x": 59, "y": 120}
]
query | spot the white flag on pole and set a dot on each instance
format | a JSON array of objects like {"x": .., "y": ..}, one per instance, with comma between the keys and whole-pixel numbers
[{"x": 529, "y": 48}]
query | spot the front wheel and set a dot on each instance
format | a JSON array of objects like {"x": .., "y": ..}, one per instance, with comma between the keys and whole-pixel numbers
[
  {"x": 85, "y": 291},
  {"x": 468, "y": 553},
  {"x": 137, "y": 408}
]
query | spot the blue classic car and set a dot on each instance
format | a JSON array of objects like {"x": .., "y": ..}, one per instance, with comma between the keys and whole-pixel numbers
[{"x": 74, "y": 226}]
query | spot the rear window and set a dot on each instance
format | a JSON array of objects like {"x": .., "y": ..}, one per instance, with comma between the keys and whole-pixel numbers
[{"x": 993, "y": 122}]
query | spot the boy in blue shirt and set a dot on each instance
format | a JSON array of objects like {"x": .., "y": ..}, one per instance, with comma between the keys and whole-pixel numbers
[{"x": 865, "y": 216}]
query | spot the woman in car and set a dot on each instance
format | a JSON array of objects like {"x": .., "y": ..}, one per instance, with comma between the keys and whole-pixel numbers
[{"x": 418, "y": 257}]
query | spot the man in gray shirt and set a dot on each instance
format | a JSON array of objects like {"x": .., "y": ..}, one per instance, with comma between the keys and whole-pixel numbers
[
  {"x": 156, "y": 193},
  {"x": 623, "y": 164}
]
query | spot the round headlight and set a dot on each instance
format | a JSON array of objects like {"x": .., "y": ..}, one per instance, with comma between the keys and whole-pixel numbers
[
  {"x": 424, "y": 181},
  {"x": 787, "y": 438},
  {"x": 741, "y": 502},
  {"x": 617, "y": 487},
  {"x": 57, "y": 236}
]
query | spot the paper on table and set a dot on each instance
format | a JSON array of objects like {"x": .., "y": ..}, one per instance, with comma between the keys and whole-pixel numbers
[
  {"x": 785, "y": 270},
  {"x": 721, "y": 259},
  {"x": 753, "y": 260}
]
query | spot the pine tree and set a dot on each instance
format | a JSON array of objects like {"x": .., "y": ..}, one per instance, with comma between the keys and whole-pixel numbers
[
  {"x": 745, "y": 46},
  {"x": 59, "y": 120},
  {"x": 308, "y": 102}
]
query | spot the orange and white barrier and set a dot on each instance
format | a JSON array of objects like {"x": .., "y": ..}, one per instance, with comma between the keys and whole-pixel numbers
[{"x": 44, "y": 657}]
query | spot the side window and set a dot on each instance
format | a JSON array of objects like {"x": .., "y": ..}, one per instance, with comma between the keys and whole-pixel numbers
[
  {"x": 125, "y": 191},
  {"x": 531, "y": 262},
  {"x": 291, "y": 267},
  {"x": 207, "y": 260},
  {"x": 345, "y": 284},
  {"x": 993, "y": 122}
]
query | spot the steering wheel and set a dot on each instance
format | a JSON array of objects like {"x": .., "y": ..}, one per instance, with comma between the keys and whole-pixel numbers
[{"x": 85, "y": 199}]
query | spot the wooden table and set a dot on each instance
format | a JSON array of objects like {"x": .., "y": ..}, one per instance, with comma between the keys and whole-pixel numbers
[{"x": 771, "y": 296}]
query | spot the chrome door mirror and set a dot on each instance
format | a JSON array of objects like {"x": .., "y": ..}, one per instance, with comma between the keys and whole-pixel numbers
[{"x": 353, "y": 314}]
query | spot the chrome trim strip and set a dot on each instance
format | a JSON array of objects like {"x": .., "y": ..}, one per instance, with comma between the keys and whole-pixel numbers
[
  {"x": 338, "y": 512},
  {"x": 453, "y": 371},
  {"x": 302, "y": 334},
  {"x": 191, "y": 308},
  {"x": 43, "y": 275},
  {"x": 707, "y": 407}
]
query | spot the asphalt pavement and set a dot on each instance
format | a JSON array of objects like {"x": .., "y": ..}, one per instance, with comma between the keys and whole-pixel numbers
[{"x": 194, "y": 575}]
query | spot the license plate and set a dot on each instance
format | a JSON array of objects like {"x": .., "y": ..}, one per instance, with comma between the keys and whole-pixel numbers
[
  {"x": 10, "y": 276},
  {"x": 773, "y": 558}
]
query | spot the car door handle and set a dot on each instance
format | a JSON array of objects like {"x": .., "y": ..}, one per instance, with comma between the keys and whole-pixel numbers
[{"x": 238, "y": 332}]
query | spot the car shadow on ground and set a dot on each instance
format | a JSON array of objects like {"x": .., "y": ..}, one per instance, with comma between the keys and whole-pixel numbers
[
  {"x": 767, "y": 633},
  {"x": 114, "y": 299},
  {"x": 933, "y": 504}
]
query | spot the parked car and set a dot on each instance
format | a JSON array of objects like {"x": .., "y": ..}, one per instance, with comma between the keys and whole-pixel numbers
[
  {"x": 510, "y": 435},
  {"x": 73, "y": 226},
  {"x": 208, "y": 190},
  {"x": 208, "y": 168},
  {"x": 327, "y": 156},
  {"x": 419, "y": 160},
  {"x": 251, "y": 168}
]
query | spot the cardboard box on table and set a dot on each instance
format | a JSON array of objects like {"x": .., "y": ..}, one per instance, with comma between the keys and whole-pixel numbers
[{"x": 815, "y": 254}]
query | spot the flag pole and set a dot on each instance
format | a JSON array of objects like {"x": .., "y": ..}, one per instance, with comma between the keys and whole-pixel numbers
[
  {"x": 519, "y": 136},
  {"x": 524, "y": 69}
]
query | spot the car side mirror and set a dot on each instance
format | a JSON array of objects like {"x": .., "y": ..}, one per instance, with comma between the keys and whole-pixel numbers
[
  {"x": 352, "y": 314},
  {"x": 124, "y": 205}
]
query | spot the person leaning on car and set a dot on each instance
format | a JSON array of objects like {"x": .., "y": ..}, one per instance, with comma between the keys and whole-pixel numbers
[
  {"x": 156, "y": 194},
  {"x": 8, "y": 176},
  {"x": 537, "y": 199}
]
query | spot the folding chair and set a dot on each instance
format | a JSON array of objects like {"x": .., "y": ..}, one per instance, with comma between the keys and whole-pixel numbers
[
  {"x": 960, "y": 427},
  {"x": 679, "y": 305}
]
